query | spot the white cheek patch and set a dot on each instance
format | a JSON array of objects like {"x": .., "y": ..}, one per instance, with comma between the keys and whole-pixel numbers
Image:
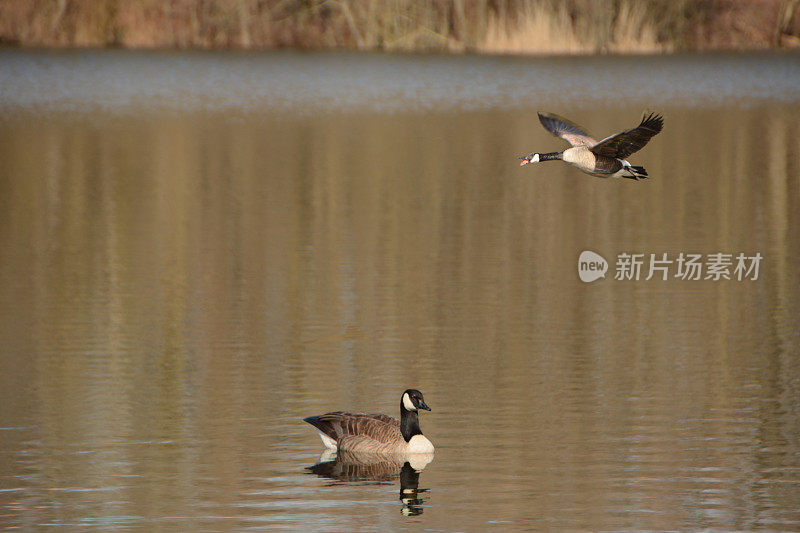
[
  {"x": 535, "y": 158},
  {"x": 407, "y": 403}
]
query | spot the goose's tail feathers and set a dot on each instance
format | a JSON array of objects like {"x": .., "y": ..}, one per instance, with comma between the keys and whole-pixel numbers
[
  {"x": 638, "y": 173},
  {"x": 326, "y": 431}
]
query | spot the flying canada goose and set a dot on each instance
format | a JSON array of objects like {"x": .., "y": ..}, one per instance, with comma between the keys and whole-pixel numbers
[
  {"x": 357, "y": 432},
  {"x": 604, "y": 159}
]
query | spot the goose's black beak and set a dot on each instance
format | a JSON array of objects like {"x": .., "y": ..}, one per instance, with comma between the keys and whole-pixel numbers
[
  {"x": 423, "y": 405},
  {"x": 525, "y": 161}
]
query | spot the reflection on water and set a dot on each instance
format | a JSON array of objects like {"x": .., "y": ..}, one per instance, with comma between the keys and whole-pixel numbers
[
  {"x": 178, "y": 289},
  {"x": 354, "y": 467}
]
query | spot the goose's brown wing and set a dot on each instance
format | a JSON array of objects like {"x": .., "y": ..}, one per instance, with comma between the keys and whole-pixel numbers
[
  {"x": 342, "y": 424},
  {"x": 626, "y": 143},
  {"x": 564, "y": 129}
]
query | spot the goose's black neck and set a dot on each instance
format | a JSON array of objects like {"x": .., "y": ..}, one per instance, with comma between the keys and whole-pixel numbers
[
  {"x": 551, "y": 156},
  {"x": 409, "y": 423}
]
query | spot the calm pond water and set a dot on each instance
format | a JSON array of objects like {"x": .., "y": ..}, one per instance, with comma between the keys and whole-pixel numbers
[{"x": 197, "y": 250}]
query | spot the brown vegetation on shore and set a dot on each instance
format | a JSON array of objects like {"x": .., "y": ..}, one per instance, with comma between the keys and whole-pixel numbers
[{"x": 492, "y": 26}]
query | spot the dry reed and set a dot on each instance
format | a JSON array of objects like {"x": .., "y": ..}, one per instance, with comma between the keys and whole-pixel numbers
[{"x": 499, "y": 26}]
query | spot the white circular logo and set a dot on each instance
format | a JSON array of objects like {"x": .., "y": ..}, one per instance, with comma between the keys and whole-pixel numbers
[{"x": 591, "y": 266}]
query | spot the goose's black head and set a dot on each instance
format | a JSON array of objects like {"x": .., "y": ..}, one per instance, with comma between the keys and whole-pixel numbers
[
  {"x": 530, "y": 158},
  {"x": 413, "y": 400}
]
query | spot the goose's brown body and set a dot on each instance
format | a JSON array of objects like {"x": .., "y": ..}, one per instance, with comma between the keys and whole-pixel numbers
[
  {"x": 368, "y": 433},
  {"x": 591, "y": 163}
]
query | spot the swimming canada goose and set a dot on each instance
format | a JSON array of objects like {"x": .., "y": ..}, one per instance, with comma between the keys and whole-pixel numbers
[
  {"x": 358, "y": 432},
  {"x": 604, "y": 159}
]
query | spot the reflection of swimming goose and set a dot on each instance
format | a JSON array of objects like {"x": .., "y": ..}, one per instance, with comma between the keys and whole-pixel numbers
[
  {"x": 353, "y": 466},
  {"x": 604, "y": 159},
  {"x": 356, "y": 467},
  {"x": 381, "y": 434}
]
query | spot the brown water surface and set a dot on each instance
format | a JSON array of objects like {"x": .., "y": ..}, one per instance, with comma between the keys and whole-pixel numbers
[{"x": 190, "y": 263}]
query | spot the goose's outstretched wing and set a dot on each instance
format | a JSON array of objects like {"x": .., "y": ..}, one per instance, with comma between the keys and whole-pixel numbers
[
  {"x": 563, "y": 128},
  {"x": 624, "y": 144}
]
